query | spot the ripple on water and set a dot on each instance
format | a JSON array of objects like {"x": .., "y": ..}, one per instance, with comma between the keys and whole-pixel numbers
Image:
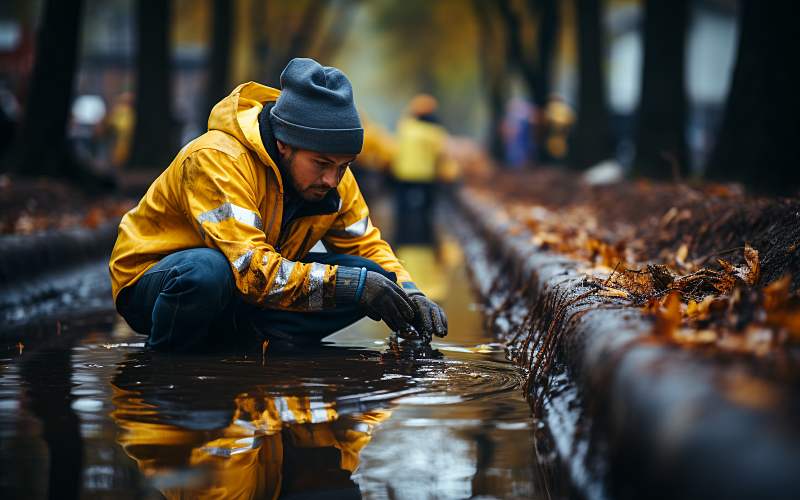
[
  {"x": 473, "y": 379},
  {"x": 346, "y": 378}
]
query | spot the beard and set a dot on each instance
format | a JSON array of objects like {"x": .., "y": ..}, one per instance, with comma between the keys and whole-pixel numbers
[{"x": 314, "y": 192}]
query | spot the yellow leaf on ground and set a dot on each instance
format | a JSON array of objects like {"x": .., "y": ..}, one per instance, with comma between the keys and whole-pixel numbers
[
  {"x": 613, "y": 292},
  {"x": 682, "y": 254}
]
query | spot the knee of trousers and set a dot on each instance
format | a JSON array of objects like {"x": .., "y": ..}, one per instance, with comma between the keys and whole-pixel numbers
[{"x": 207, "y": 279}]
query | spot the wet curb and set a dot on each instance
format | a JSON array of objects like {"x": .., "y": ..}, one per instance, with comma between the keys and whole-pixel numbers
[
  {"x": 25, "y": 257},
  {"x": 55, "y": 273},
  {"x": 657, "y": 420}
]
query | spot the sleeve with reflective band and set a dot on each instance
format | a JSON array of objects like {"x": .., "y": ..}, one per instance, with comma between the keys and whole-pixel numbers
[
  {"x": 353, "y": 233},
  {"x": 219, "y": 196}
]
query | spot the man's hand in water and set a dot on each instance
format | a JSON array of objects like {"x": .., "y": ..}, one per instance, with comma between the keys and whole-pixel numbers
[
  {"x": 429, "y": 319},
  {"x": 383, "y": 299}
]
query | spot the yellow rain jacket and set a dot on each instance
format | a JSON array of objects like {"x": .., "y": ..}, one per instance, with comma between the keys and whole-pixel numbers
[
  {"x": 223, "y": 191},
  {"x": 420, "y": 150}
]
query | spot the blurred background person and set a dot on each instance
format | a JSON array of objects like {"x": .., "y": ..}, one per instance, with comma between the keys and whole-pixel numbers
[
  {"x": 119, "y": 129},
  {"x": 421, "y": 141},
  {"x": 560, "y": 118},
  {"x": 519, "y": 133}
]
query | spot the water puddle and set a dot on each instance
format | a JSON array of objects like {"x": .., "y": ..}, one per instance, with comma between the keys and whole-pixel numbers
[{"x": 94, "y": 414}]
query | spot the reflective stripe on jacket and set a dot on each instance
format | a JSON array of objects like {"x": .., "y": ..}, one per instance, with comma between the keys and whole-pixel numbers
[{"x": 223, "y": 191}]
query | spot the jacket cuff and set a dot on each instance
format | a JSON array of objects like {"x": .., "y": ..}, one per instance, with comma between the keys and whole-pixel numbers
[{"x": 349, "y": 284}]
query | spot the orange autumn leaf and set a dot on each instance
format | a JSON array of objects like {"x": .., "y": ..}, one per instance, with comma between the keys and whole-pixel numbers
[
  {"x": 668, "y": 315},
  {"x": 783, "y": 311},
  {"x": 700, "y": 310},
  {"x": 776, "y": 294}
]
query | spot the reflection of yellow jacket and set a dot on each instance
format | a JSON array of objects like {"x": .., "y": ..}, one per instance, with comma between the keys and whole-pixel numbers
[
  {"x": 223, "y": 191},
  {"x": 419, "y": 150},
  {"x": 245, "y": 459}
]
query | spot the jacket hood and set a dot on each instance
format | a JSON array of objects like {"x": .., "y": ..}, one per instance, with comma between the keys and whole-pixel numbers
[{"x": 237, "y": 115}]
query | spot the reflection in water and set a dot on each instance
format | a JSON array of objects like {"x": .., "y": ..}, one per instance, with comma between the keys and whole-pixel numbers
[
  {"x": 233, "y": 428},
  {"x": 48, "y": 395},
  {"x": 300, "y": 424}
]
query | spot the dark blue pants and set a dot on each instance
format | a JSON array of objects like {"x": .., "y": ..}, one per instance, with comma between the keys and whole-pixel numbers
[{"x": 189, "y": 301}]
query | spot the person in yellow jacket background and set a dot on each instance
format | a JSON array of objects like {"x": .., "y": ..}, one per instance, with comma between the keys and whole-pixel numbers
[
  {"x": 219, "y": 245},
  {"x": 420, "y": 153}
]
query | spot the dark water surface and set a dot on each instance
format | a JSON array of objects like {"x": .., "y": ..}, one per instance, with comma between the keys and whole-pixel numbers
[{"x": 90, "y": 413}]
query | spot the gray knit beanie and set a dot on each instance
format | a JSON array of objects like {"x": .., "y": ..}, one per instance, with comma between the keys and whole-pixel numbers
[{"x": 315, "y": 110}]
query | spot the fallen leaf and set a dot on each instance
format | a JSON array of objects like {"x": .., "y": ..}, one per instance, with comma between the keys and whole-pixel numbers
[
  {"x": 668, "y": 315},
  {"x": 753, "y": 265},
  {"x": 613, "y": 292},
  {"x": 682, "y": 254},
  {"x": 693, "y": 336},
  {"x": 776, "y": 294},
  {"x": 700, "y": 310}
]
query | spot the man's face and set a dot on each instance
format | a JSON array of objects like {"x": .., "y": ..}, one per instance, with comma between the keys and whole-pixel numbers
[{"x": 313, "y": 174}]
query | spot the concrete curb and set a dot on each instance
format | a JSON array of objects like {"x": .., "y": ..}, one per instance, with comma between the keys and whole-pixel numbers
[
  {"x": 54, "y": 275},
  {"x": 659, "y": 421},
  {"x": 25, "y": 257}
]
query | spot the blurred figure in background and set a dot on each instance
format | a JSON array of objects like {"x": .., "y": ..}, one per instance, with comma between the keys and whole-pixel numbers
[
  {"x": 120, "y": 122},
  {"x": 518, "y": 133},
  {"x": 559, "y": 117},
  {"x": 421, "y": 142}
]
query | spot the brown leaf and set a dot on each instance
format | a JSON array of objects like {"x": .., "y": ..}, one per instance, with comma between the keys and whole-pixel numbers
[
  {"x": 632, "y": 280},
  {"x": 668, "y": 315},
  {"x": 776, "y": 294},
  {"x": 753, "y": 265},
  {"x": 662, "y": 276}
]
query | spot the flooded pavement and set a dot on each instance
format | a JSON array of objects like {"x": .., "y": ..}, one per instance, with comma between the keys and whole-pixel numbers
[{"x": 92, "y": 414}]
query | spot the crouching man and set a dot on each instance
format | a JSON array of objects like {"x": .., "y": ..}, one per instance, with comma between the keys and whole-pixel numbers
[{"x": 219, "y": 245}]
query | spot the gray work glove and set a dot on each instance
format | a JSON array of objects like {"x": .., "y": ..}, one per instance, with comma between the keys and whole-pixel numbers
[
  {"x": 381, "y": 297},
  {"x": 429, "y": 319}
]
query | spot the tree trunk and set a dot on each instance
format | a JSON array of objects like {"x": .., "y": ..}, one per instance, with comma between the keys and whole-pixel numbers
[
  {"x": 300, "y": 40},
  {"x": 493, "y": 73},
  {"x": 516, "y": 46},
  {"x": 660, "y": 137},
  {"x": 220, "y": 54},
  {"x": 43, "y": 142},
  {"x": 758, "y": 136},
  {"x": 156, "y": 132},
  {"x": 591, "y": 141},
  {"x": 548, "y": 29}
]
